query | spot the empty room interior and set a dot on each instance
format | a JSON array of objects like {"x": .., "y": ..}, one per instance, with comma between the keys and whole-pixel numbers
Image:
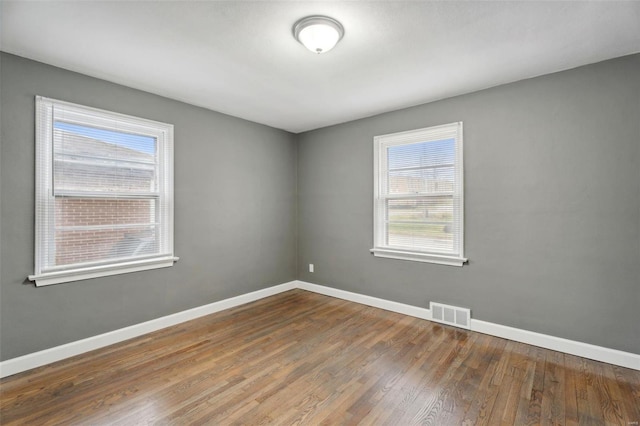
[{"x": 292, "y": 212}]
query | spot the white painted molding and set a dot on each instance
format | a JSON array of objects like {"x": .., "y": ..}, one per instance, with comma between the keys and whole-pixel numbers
[
  {"x": 47, "y": 356},
  {"x": 573, "y": 347},
  {"x": 585, "y": 350},
  {"x": 388, "y": 305},
  {"x": 57, "y": 353}
]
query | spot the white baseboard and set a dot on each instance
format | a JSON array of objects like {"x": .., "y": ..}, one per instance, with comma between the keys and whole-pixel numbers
[
  {"x": 57, "y": 353},
  {"x": 585, "y": 350},
  {"x": 47, "y": 356},
  {"x": 388, "y": 305},
  {"x": 573, "y": 347}
]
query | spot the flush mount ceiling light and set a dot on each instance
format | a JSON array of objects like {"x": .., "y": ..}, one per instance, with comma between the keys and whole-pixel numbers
[{"x": 319, "y": 34}]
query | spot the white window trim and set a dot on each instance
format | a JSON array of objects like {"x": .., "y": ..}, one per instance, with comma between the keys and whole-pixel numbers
[
  {"x": 79, "y": 274},
  {"x": 381, "y": 249},
  {"x": 44, "y": 190}
]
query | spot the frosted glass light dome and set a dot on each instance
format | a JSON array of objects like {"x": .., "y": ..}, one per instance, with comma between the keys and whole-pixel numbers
[{"x": 319, "y": 34}]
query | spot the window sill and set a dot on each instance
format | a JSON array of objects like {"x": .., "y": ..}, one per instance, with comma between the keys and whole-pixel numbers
[
  {"x": 418, "y": 257},
  {"x": 59, "y": 277}
]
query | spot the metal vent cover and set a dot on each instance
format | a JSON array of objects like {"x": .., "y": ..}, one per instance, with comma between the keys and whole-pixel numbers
[{"x": 451, "y": 315}]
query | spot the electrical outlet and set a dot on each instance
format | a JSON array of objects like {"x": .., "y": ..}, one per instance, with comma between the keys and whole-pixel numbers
[{"x": 311, "y": 267}]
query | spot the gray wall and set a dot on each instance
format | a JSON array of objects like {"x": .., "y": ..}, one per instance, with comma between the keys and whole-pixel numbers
[
  {"x": 552, "y": 207},
  {"x": 235, "y": 214}
]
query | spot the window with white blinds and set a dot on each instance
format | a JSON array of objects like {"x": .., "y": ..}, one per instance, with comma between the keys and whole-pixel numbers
[
  {"x": 104, "y": 193},
  {"x": 418, "y": 195}
]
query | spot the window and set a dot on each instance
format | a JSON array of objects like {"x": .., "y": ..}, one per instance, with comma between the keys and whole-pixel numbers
[
  {"x": 104, "y": 193},
  {"x": 418, "y": 195}
]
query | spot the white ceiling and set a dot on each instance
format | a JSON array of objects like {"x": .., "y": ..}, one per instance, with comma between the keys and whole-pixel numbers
[{"x": 239, "y": 57}]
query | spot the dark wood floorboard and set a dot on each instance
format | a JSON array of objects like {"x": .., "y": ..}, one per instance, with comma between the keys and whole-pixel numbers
[{"x": 304, "y": 358}]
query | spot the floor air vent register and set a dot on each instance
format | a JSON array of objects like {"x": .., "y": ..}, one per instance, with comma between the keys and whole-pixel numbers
[{"x": 451, "y": 315}]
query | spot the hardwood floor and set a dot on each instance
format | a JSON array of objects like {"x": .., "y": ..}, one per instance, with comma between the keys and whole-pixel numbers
[{"x": 304, "y": 358}]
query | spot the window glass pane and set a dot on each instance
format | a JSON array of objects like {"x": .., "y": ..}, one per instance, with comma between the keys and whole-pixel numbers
[
  {"x": 421, "y": 224},
  {"x": 89, "y": 230},
  {"x": 87, "y": 159},
  {"x": 432, "y": 209},
  {"x": 421, "y": 181},
  {"x": 139, "y": 143},
  {"x": 104, "y": 244},
  {"x": 420, "y": 236},
  {"x": 421, "y": 154}
]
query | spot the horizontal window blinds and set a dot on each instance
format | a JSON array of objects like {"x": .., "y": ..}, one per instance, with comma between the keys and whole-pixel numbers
[
  {"x": 419, "y": 186},
  {"x": 104, "y": 191}
]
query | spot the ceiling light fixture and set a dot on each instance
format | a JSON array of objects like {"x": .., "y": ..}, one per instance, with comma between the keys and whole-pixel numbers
[{"x": 319, "y": 34}]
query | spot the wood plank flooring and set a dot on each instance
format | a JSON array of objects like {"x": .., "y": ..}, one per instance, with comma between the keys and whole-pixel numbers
[{"x": 304, "y": 358}]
